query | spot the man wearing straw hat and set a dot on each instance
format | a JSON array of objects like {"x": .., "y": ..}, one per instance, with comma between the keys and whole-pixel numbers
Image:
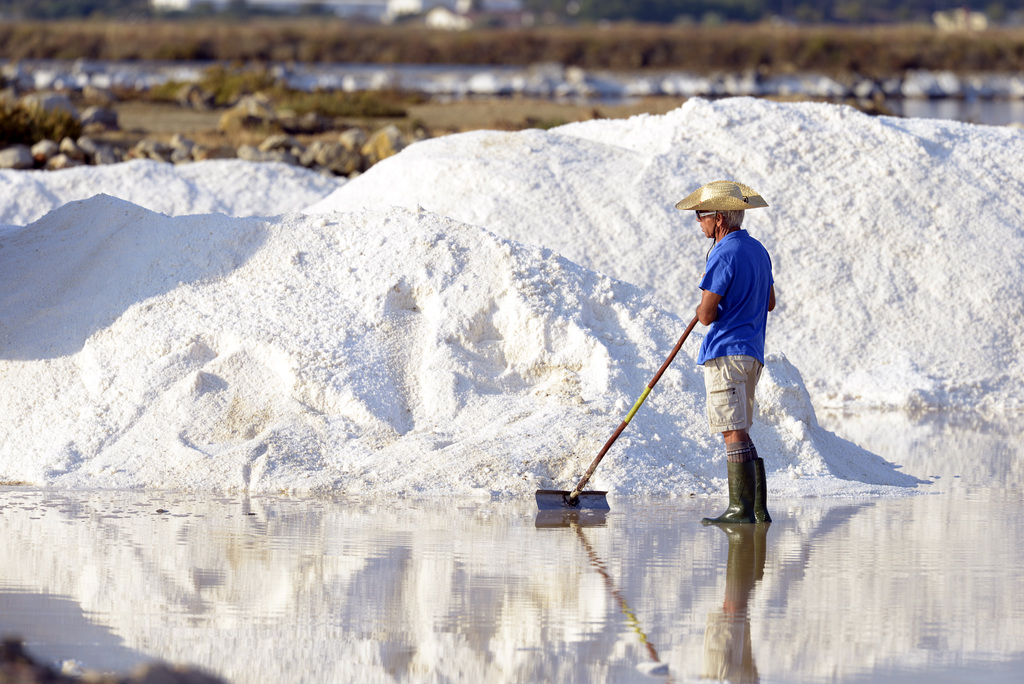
[{"x": 738, "y": 291}]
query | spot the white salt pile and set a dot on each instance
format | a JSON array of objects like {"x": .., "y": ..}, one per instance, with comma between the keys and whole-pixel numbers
[
  {"x": 898, "y": 244},
  {"x": 376, "y": 352},
  {"x": 225, "y": 186},
  {"x": 392, "y": 350}
]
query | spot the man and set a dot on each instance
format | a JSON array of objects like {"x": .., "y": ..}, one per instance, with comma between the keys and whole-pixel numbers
[{"x": 737, "y": 293}]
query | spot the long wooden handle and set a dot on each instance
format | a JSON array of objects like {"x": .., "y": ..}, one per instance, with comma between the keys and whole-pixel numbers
[{"x": 632, "y": 412}]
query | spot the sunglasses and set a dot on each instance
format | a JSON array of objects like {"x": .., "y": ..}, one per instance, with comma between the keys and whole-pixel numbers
[{"x": 704, "y": 214}]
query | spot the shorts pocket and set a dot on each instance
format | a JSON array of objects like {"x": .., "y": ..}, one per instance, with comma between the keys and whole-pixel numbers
[
  {"x": 723, "y": 397},
  {"x": 724, "y": 407}
]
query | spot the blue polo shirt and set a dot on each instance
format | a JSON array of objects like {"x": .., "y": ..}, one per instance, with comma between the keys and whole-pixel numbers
[{"x": 740, "y": 270}]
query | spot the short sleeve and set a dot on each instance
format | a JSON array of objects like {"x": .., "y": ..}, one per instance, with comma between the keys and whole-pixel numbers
[{"x": 717, "y": 275}]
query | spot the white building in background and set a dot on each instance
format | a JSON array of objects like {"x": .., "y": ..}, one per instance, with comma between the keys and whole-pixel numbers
[
  {"x": 184, "y": 5},
  {"x": 443, "y": 18},
  {"x": 408, "y": 8},
  {"x": 449, "y": 13},
  {"x": 961, "y": 19}
]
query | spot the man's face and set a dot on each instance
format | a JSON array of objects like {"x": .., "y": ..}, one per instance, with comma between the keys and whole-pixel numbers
[{"x": 707, "y": 221}]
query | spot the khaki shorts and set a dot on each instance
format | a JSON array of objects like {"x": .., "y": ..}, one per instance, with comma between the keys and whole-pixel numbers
[{"x": 730, "y": 382}]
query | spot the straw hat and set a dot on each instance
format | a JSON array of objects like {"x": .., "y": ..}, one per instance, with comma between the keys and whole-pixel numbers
[{"x": 722, "y": 196}]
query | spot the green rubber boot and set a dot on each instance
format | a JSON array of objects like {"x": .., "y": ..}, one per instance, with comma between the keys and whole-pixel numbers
[
  {"x": 741, "y": 495},
  {"x": 760, "y": 493}
]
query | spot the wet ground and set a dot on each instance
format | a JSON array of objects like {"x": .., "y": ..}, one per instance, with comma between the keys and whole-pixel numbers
[{"x": 923, "y": 588}]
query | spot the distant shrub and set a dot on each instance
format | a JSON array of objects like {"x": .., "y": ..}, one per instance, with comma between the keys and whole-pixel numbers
[
  {"x": 875, "y": 50},
  {"x": 228, "y": 85},
  {"x": 21, "y": 125},
  {"x": 340, "y": 104},
  {"x": 545, "y": 124}
]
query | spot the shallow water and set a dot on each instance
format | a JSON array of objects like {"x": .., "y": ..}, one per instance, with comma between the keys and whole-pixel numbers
[
  {"x": 315, "y": 590},
  {"x": 995, "y": 112}
]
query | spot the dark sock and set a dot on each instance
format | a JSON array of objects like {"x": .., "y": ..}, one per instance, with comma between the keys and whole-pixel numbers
[{"x": 740, "y": 452}]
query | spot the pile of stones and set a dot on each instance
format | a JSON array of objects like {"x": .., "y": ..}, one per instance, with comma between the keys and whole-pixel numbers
[
  {"x": 19, "y": 667},
  {"x": 350, "y": 152}
]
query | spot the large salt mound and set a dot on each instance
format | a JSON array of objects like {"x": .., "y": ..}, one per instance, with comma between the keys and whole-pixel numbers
[
  {"x": 375, "y": 352},
  {"x": 897, "y": 243},
  {"x": 226, "y": 186}
]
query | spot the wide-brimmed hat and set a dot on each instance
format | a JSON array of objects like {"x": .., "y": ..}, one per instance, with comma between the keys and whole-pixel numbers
[{"x": 722, "y": 195}]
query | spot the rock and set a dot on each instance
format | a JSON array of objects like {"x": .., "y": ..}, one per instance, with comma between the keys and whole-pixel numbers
[
  {"x": 254, "y": 154},
  {"x": 180, "y": 142},
  {"x": 332, "y": 156},
  {"x": 63, "y": 161},
  {"x": 384, "y": 143},
  {"x": 43, "y": 150},
  {"x": 16, "y": 157},
  {"x": 152, "y": 149},
  {"x": 96, "y": 152},
  {"x": 70, "y": 149},
  {"x": 100, "y": 119},
  {"x": 353, "y": 139},
  {"x": 308, "y": 156},
  {"x": 181, "y": 149},
  {"x": 158, "y": 673},
  {"x": 866, "y": 89},
  {"x": 192, "y": 96},
  {"x": 99, "y": 96},
  {"x": 87, "y": 145},
  {"x": 251, "y": 153},
  {"x": 181, "y": 155},
  {"x": 17, "y": 665},
  {"x": 309, "y": 123},
  {"x": 280, "y": 142},
  {"x": 202, "y": 152},
  {"x": 282, "y": 157},
  {"x": 49, "y": 102},
  {"x": 107, "y": 154},
  {"x": 251, "y": 113}
]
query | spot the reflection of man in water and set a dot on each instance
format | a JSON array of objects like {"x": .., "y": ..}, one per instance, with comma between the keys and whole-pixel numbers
[{"x": 728, "y": 655}]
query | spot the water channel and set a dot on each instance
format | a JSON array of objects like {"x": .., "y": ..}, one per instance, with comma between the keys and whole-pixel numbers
[
  {"x": 925, "y": 587},
  {"x": 990, "y": 99}
]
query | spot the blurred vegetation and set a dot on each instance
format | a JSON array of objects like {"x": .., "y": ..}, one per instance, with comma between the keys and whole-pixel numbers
[
  {"x": 363, "y": 105},
  {"x": 20, "y": 125},
  {"x": 227, "y": 84},
  {"x": 877, "y": 51}
]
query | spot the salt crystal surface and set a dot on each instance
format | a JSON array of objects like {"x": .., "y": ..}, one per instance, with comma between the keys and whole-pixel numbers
[
  {"x": 897, "y": 243},
  {"x": 226, "y": 186},
  {"x": 379, "y": 351}
]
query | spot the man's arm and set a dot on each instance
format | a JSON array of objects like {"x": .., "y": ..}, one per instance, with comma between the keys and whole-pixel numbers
[
  {"x": 707, "y": 310},
  {"x": 771, "y": 299}
]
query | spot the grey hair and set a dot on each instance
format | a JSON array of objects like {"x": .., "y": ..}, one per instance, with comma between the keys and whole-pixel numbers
[{"x": 733, "y": 219}]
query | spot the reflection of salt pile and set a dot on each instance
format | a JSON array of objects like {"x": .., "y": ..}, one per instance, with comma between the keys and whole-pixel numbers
[
  {"x": 290, "y": 589},
  {"x": 376, "y": 352},
  {"x": 897, "y": 243}
]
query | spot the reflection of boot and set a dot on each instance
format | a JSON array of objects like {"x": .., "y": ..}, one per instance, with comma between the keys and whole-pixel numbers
[
  {"x": 760, "y": 550},
  {"x": 741, "y": 495},
  {"x": 728, "y": 652},
  {"x": 741, "y": 569},
  {"x": 760, "y": 493}
]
